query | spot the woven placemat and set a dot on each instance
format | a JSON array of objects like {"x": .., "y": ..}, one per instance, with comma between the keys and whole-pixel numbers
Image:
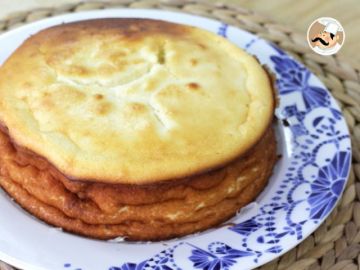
[{"x": 336, "y": 243}]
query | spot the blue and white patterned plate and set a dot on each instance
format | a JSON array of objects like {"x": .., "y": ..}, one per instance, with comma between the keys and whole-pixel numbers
[{"x": 308, "y": 180}]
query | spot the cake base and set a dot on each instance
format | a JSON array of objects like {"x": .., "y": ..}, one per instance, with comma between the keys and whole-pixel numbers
[{"x": 135, "y": 212}]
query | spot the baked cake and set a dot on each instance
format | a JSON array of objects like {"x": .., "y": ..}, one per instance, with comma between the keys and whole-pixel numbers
[{"x": 137, "y": 128}]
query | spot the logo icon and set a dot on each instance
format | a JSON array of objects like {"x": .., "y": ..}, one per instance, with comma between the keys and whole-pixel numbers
[{"x": 326, "y": 36}]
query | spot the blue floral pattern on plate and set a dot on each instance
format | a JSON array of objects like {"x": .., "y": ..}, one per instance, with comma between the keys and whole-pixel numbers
[{"x": 315, "y": 126}]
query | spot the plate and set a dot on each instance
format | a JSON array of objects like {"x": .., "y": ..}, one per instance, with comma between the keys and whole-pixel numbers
[{"x": 314, "y": 144}]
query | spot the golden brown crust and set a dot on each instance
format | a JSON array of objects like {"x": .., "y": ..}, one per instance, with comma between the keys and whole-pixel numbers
[
  {"x": 132, "y": 231},
  {"x": 83, "y": 102},
  {"x": 106, "y": 211}
]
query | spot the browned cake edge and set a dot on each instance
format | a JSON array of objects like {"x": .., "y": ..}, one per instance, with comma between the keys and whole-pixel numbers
[
  {"x": 138, "y": 230},
  {"x": 55, "y": 217}
]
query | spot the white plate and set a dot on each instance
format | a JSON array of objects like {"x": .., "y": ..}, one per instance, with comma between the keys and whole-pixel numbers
[{"x": 308, "y": 180}]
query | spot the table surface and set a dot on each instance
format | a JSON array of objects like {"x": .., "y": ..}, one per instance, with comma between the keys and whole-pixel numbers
[{"x": 296, "y": 14}]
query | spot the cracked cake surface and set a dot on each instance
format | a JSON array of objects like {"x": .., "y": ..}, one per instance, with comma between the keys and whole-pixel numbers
[{"x": 133, "y": 101}]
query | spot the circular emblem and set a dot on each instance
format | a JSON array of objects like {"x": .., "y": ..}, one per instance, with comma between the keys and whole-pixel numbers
[{"x": 326, "y": 36}]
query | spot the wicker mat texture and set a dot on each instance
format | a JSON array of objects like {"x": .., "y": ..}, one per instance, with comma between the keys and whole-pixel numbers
[{"x": 336, "y": 243}]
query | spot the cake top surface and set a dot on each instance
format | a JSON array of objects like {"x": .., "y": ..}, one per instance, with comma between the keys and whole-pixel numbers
[{"x": 133, "y": 101}]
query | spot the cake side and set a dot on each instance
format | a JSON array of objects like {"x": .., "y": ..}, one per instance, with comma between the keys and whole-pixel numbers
[{"x": 151, "y": 212}]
